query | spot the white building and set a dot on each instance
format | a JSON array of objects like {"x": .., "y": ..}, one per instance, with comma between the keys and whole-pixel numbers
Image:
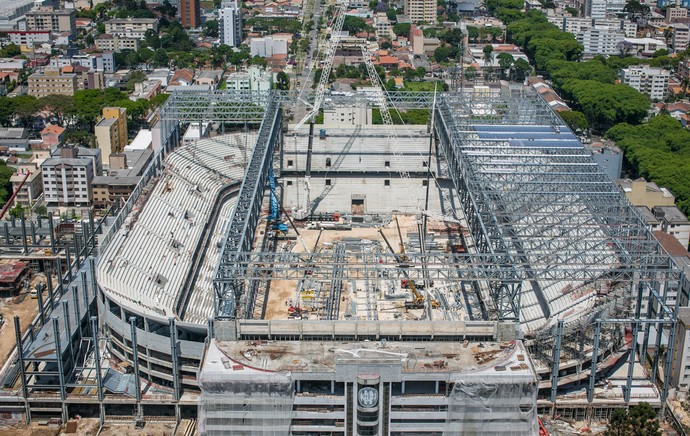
[
  {"x": 100, "y": 62},
  {"x": 681, "y": 37},
  {"x": 231, "y": 23},
  {"x": 68, "y": 174},
  {"x": 255, "y": 79},
  {"x": 383, "y": 26},
  {"x": 603, "y": 9},
  {"x": 645, "y": 46},
  {"x": 577, "y": 25},
  {"x": 601, "y": 40},
  {"x": 28, "y": 38},
  {"x": 131, "y": 27},
  {"x": 268, "y": 46},
  {"x": 653, "y": 82}
]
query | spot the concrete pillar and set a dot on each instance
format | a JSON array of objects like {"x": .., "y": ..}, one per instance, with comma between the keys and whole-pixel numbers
[{"x": 135, "y": 362}]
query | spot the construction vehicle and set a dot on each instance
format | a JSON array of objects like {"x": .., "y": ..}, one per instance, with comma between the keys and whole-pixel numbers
[
  {"x": 294, "y": 312},
  {"x": 278, "y": 225},
  {"x": 403, "y": 256}
]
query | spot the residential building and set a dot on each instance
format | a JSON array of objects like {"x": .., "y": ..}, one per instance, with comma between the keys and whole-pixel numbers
[
  {"x": 68, "y": 174},
  {"x": 208, "y": 77},
  {"x": 116, "y": 43},
  {"x": 231, "y": 23},
  {"x": 382, "y": 25},
  {"x": 268, "y": 46},
  {"x": 417, "y": 40},
  {"x": 28, "y": 183},
  {"x": 27, "y": 38},
  {"x": 683, "y": 69},
  {"x": 653, "y": 82},
  {"x": 673, "y": 222},
  {"x": 644, "y": 46},
  {"x": 190, "y": 13},
  {"x": 111, "y": 132},
  {"x": 421, "y": 10},
  {"x": 131, "y": 27},
  {"x": 52, "y": 135},
  {"x": 255, "y": 79},
  {"x": 681, "y": 37},
  {"x": 102, "y": 61},
  {"x": 643, "y": 193},
  {"x": 577, "y": 25},
  {"x": 52, "y": 20},
  {"x": 51, "y": 81},
  {"x": 602, "y": 40},
  {"x": 603, "y": 9},
  {"x": 146, "y": 90},
  {"x": 124, "y": 173},
  {"x": 87, "y": 78},
  {"x": 674, "y": 13}
]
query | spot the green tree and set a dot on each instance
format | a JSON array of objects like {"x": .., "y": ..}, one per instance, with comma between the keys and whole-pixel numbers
[
  {"x": 354, "y": 24},
  {"x": 522, "y": 69},
  {"x": 57, "y": 104},
  {"x": 282, "y": 81},
  {"x": 488, "y": 50},
  {"x": 636, "y": 10},
  {"x": 211, "y": 28},
  {"x": 16, "y": 211},
  {"x": 639, "y": 420},
  {"x": 505, "y": 61},
  {"x": 24, "y": 108},
  {"x": 402, "y": 29},
  {"x": 10, "y": 51},
  {"x": 80, "y": 137},
  {"x": 575, "y": 120}
]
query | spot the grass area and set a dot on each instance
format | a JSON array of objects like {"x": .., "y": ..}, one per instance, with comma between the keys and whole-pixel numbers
[{"x": 424, "y": 86}]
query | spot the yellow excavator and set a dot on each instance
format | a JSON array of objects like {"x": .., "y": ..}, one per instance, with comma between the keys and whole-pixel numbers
[{"x": 417, "y": 297}]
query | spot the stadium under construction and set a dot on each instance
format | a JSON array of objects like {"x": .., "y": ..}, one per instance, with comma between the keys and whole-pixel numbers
[{"x": 462, "y": 276}]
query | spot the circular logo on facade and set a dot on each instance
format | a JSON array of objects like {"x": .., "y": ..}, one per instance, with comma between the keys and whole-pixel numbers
[{"x": 368, "y": 397}]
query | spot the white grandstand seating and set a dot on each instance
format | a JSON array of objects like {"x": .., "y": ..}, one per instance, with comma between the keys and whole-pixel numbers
[{"x": 150, "y": 256}]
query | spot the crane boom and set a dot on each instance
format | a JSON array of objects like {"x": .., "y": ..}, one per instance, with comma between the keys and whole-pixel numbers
[
  {"x": 382, "y": 102},
  {"x": 339, "y": 13}
]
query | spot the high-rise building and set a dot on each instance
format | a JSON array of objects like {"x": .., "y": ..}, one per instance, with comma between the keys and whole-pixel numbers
[
  {"x": 111, "y": 132},
  {"x": 652, "y": 82},
  {"x": 231, "y": 23},
  {"x": 67, "y": 176},
  {"x": 190, "y": 13},
  {"x": 421, "y": 10}
]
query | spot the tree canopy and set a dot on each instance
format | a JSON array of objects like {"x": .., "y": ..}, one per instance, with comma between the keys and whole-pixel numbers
[
  {"x": 659, "y": 151},
  {"x": 639, "y": 420}
]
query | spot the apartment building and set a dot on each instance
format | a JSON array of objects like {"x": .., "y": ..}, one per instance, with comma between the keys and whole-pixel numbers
[
  {"x": 268, "y": 46},
  {"x": 255, "y": 79},
  {"x": 131, "y": 27},
  {"x": 190, "y": 13},
  {"x": 577, "y": 25},
  {"x": 421, "y": 10},
  {"x": 29, "y": 183},
  {"x": 382, "y": 25},
  {"x": 680, "y": 38},
  {"x": 111, "y": 132},
  {"x": 124, "y": 173},
  {"x": 676, "y": 13},
  {"x": 67, "y": 176},
  {"x": 116, "y": 43},
  {"x": 53, "y": 21},
  {"x": 52, "y": 81},
  {"x": 643, "y": 193},
  {"x": 231, "y": 23},
  {"x": 27, "y": 38},
  {"x": 102, "y": 61},
  {"x": 653, "y": 82},
  {"x": 601, "y": 40}
]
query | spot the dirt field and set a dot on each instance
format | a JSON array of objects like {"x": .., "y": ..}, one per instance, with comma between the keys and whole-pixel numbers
[
  {"x": 89, "y": 427},
  {"x": 26, "y": 308},
  {"x": 283, "y": 290}
]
